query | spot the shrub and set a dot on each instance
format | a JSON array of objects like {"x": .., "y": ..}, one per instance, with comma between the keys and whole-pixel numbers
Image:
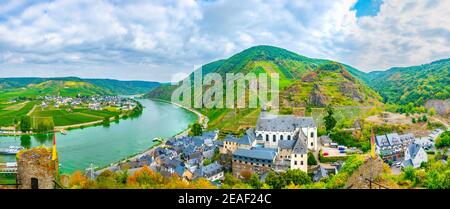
[{"x": 311, "y": 159}]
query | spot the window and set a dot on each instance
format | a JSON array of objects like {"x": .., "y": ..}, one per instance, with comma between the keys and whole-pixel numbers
[
  {"x": 295, "y": 162},
  {"x": 274, "y": 138},
  {"x": 301, "y": 155},
  {"x": 301, "y": 162},
  {"x": 312, "y": 134},
  {"x": 281, "y": 137},
  {"x": 267, "y": 137},
  {"x": 295, "y": 155},
  {"x": 312, "y": 144},
  {"x": 289, "y": 137}
]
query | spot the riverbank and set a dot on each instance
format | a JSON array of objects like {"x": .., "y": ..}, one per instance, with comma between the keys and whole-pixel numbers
[
  {"x": 103, "y": 146},
  {"x": 202, "y": 119},
  {"x": 11, "y": 131}
]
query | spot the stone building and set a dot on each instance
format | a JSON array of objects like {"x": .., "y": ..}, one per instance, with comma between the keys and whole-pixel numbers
[
  {"x": 279, "y": 143},
  {"x": 36, "y": 169},
  {"x": 391, "y": 147}
]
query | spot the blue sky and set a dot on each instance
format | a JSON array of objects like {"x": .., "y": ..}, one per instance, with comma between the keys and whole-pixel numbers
[
  {"x": 367, "y": 7},
  {"x": 160, "y": 39}
]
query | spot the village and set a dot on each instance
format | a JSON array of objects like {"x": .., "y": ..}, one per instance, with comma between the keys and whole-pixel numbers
[
  {"x": 65, "y": 112},
  {"x": 278, "y": 143},
  {"x": 95, "y": 102}
]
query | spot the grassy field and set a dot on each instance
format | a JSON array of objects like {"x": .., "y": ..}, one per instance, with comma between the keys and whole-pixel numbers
[
  {"x": 14, "y": 111},
  {"x": 65, "y": 118},
  {"x": 99, "y": 113},
  {"x": 7, "y": 179}
]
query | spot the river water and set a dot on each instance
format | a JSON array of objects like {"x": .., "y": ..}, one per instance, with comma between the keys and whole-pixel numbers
[{"x": 105, "y": 145}]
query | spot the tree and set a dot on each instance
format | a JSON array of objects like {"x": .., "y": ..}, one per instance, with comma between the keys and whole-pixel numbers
[
  {"x": 246, "y": 174},
  {"x": 196, "y": 129},
  {"x": 25, "y": 141},
  {"x": 206, "y": 162},
  {"x": 413, "y": 120},
  {"x": 424, "y": 118},
  {"x": 311, "y": 159},
  {"x": 443, "y": 140},
  {"x": 25, "y": 124},
  {"x": 254, "y": 181},
  {"x": 431, "y": 111},
  {"x": 106, "y": 122},
  {"x": 330, "y": 121},
  {"x": 296, "y": 177},
  {"x": 275, "y": 181}
]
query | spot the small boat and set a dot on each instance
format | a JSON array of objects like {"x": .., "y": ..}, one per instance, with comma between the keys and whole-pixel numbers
[
  {"x": 12, "y": 150},
  {"x": 63, "y": 132},
  {"x": 158, "y": 139}
]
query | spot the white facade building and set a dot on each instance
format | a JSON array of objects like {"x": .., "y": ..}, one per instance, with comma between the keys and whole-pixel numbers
[{"x": 414, "y": 156}]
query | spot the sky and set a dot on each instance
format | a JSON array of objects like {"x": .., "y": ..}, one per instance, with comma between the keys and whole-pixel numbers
[{"x": 157, "y": 39}]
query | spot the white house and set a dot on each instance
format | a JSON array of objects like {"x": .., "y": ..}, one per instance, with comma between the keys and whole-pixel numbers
[
  {"x": 213, "y": 172},
  {"x": 414, "y": 156},
  {"x": 270, "y": 129}
]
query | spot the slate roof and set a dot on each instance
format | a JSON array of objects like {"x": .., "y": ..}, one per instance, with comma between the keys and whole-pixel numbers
[
  {"x": 407, "y": 163},
  {"x": 413, "y": 149},
  {"x": 211, "y": 169},
  {"x": 255, "y": 153},
  {"x": 209, "y": 134},
  {"x": 282, "y": 123},
  {"x": 247, "y": 139},
  {"x": 300, "y": 146},
  {"x": 393, "y": 139},
  {"x": 320, "y": 173},
  {"x": 179, "y": 170},
  {"x": 230, "y": 138},
  {"x": 286, "y": 144}
]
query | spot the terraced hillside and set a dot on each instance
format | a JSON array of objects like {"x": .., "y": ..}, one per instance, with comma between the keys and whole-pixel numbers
[{"x": 304, "y": 82}]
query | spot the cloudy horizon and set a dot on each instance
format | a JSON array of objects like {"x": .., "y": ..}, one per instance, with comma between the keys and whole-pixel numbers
[{"x": 155, "y": 40}]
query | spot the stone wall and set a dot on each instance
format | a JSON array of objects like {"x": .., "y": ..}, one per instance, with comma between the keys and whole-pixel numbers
[
  {"x": 237, "y": 167},
  {"x": 36, "y": 163}
]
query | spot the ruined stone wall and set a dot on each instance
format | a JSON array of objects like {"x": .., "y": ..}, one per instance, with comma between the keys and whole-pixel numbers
[{"x": 36, "y": 163}]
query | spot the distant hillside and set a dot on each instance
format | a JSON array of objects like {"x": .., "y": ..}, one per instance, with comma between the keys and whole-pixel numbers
[
  {"x": 71, "y": 86},
  {"x": 340, "y": 84},
  {"x": 416, "y": 84},
  {"x": 304, "y": 82},
  {"x": 125, "y": 87},
  {"x": 53, "y": 87}
]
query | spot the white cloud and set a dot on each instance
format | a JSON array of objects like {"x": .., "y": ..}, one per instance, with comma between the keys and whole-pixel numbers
[{"x": 153, "y": 40}]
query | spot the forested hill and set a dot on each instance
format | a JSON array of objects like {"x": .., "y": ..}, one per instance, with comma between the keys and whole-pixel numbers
[
  {"x": 89, "y": 86},
  {"x": 416, "y": 84}
]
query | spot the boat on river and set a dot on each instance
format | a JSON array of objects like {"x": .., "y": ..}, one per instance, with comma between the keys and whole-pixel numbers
[
  {"x": 11, "y": 150},
  {"x": 63, "y": 132},
  {"x": 158, "y": 139}
]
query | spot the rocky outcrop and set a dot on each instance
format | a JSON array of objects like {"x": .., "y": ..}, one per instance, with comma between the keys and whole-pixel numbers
[
  {"x": 349, "y": 89},
  {"x": 442, "y": 107},
  {"x": 310, "y": 77},
  {"x": 347, "y": 75},
  {"x": 317, "y": 98}
]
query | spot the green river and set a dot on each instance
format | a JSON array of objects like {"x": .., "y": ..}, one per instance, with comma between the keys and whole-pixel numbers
[{"x": 103, "y": 146}]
